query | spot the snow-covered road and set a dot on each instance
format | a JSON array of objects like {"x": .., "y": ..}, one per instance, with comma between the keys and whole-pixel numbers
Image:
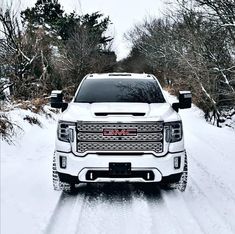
[{"x": 29, "y": 205}]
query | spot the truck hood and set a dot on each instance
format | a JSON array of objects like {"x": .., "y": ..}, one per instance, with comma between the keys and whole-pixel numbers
[{"x": 124, "y": 112}]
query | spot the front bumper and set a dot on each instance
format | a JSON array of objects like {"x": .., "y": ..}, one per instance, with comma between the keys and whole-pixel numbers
[{"x": 79, "y": 167}]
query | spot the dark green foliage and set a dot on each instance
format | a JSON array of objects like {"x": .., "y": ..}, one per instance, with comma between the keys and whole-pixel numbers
[
  {"x": 50, "y": 14},
  {"x": 54, "y": 50},
  {"x": 93, "y": 23},
  {"x": 44, "y": 12}
]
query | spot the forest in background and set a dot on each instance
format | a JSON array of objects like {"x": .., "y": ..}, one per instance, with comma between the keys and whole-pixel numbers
[
  {"x": 191, "y": 47},
  {"x": 46, "y": 48}
]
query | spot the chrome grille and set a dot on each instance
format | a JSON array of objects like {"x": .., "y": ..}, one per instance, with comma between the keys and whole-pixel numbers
[
  {"x": 141, "y": 127},
  {"x": 97, "y": 136},
  {"x": 90, "y": 137},
  {"x": 117, "y": 146}
]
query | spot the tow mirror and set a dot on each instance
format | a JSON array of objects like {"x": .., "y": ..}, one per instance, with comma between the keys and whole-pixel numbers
[
  {"x": 57, "y": 100},
  {"x": 185, "y": 101}
]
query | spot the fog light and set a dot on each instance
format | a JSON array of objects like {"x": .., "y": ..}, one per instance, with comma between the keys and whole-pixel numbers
[
  {"x": 63, "y": 162},
  {"x": 177, "y": 161}
]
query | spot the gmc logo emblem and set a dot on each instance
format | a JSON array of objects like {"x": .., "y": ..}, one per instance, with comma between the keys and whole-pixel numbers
[{"x": 120, "y": 132}]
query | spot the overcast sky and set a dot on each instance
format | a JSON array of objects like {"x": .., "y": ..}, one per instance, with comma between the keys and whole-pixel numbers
[{"x": 123, "y": 14}]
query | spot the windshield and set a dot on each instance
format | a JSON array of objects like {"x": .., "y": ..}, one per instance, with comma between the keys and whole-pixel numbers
[{"x": 120, "y": 90}]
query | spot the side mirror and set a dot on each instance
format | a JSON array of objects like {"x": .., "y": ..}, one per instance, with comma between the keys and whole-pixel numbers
[
  {"x": 57, "y": 100},
  {"x": 185, "y": 99}
]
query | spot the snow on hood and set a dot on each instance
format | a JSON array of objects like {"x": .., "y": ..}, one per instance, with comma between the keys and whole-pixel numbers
[{"x": 87, "y": 112}]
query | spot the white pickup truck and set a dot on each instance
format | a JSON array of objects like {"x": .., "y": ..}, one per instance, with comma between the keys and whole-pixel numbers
[{"x": 119, "y": 127}]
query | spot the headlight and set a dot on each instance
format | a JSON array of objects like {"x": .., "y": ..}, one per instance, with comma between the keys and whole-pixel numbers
[
  {"x": 65, "y": 132},
  {"x": 174, "y": 131}
]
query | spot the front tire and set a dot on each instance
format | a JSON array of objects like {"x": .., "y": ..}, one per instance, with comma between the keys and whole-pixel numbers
[
  {"x": 182, "y": 184},
  {"x": 178, "y": 181},
  {"x": 55, "y": 176},
  {"x": 57, "y": 184}
]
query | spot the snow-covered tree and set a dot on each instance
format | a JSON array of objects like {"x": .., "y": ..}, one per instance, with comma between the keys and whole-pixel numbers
[{"x": 189, "y": 49}]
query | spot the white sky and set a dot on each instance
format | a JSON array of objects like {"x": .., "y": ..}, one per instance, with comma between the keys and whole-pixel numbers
[{"x": 123, "y": 14}]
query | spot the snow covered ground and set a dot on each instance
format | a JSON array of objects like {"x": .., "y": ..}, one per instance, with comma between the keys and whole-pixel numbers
[
  {"x": 29, "y": 205},
  {"x": 27, "y": 198}
]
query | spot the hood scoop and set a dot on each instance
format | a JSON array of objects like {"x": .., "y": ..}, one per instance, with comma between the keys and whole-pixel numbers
[{"x": 119, "y": 113}]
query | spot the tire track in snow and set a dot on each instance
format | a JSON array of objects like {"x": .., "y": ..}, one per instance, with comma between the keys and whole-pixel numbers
[
  {"x": 182, "y": 215},
  {"x": 65, "y": 213},
  {"x": 212, "y": 185},
  {"x": 52, "y": 219},
  {"x": 128, "y": 208},
  {"x": 205, "y": 212},
  {"x": 221, "y": 198},
  {"x": 142, "y": 220},
  {"x": 216, "y": 182},
  {"x": 160, "y": 219},
  {"x": 210, "y": 151},
  {"x": 107, "y": 210}
]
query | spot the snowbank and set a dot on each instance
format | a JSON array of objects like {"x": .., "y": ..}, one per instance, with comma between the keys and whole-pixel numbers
[{"x": 27, "y": 198}]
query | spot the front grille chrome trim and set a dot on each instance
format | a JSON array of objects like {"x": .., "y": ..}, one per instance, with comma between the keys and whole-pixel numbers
[
  {"x": 140, "y": 126},
  {"x": 117, "y": 146},
  {"x": 149, "y": 137}
]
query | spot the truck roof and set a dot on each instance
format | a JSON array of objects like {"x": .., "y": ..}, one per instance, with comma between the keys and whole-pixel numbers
[{"x": 119, "y": 75}]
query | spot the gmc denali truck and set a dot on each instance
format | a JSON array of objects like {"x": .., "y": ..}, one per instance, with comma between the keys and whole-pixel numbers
[{"x": 119, "y": 127}]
